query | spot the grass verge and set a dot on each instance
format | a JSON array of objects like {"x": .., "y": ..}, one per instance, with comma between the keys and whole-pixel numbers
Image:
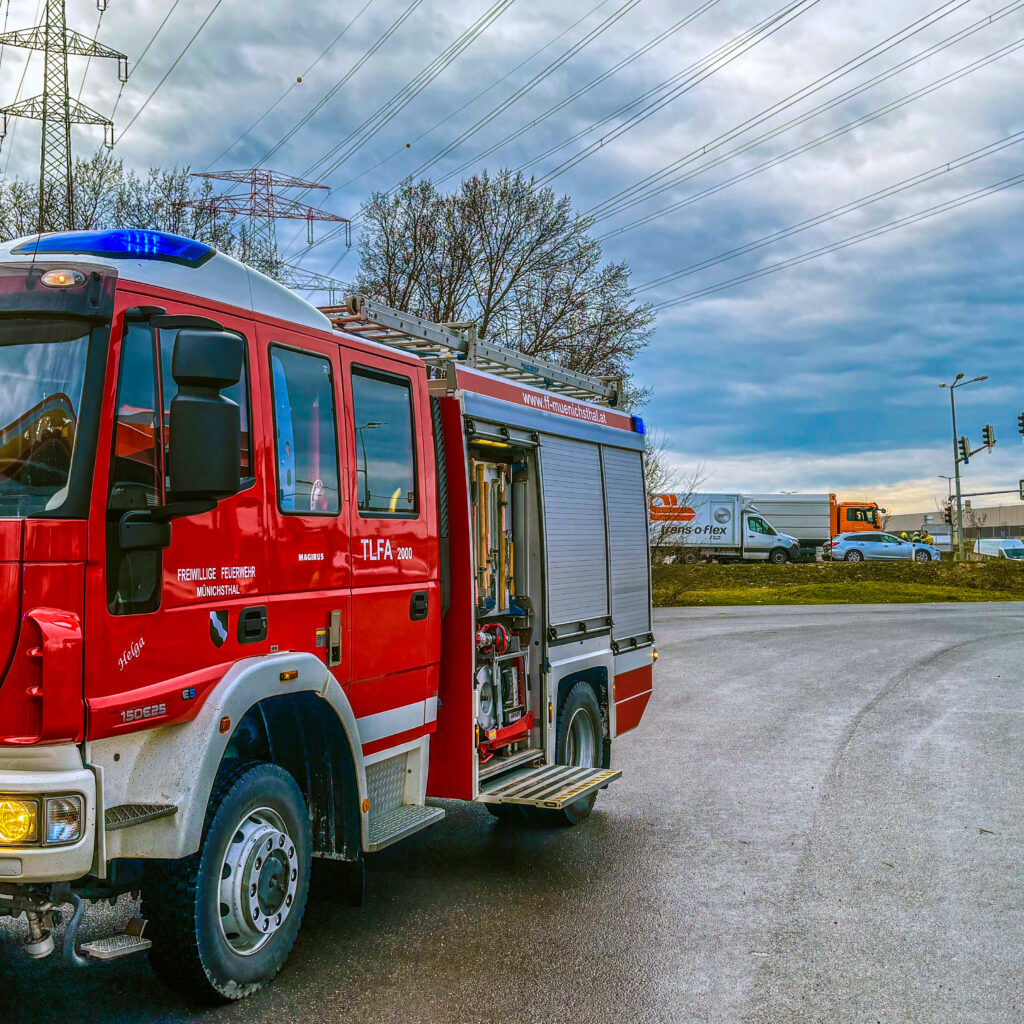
[{"x": 841, "y": 583}]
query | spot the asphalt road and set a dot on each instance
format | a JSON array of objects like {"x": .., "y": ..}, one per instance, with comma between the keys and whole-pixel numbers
[{"x": 819, "y": 820}]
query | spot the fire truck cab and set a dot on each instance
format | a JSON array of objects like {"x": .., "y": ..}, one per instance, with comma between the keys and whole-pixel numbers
[{"x": 270, "y": 578}]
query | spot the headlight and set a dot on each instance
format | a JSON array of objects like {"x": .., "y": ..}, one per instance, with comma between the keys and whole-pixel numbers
[
  {"x": 19, "y": 820},
  {"x": 63, "y": 820}
]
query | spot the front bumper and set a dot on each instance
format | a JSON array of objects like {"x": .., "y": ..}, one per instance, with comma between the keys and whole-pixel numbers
[{"x": 43, "y": 772}]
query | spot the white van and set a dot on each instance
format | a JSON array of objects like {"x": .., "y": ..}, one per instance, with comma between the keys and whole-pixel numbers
[{"x": 1000, "y": 547}]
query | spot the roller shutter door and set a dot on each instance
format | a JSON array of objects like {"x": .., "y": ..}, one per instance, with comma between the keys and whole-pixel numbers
[
  {"x": 577, "y": 554},
  {"x": 627, "y": 544}
]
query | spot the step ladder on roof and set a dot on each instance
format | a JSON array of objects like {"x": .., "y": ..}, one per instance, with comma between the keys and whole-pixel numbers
[{"x": 441, "y": 345}]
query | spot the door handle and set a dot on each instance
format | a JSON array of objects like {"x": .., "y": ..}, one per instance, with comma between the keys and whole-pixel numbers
[
  {"x": 419, "y": 605},
  {"x": 252, "y": 625}
]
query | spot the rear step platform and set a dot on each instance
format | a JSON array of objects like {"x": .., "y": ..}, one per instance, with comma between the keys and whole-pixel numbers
[{"x": 551, "y": 786}]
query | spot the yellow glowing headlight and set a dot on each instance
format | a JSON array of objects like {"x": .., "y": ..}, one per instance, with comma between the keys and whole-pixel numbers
[{"x": 19, "y": 820}]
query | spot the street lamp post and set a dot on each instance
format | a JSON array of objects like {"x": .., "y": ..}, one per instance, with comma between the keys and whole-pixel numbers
[
  {"x": 949, "y": 485},
  {"x": 958, "y": 382},
  {"x": 371, "y": 425}
]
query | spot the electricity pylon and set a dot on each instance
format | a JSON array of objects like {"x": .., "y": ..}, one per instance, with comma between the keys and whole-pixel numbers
[
  {"x": 264, "y": 207},
  {"x": 56, "y": 109}
]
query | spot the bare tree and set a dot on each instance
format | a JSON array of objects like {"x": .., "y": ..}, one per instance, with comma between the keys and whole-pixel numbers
[{"x": 512, "y": 258}]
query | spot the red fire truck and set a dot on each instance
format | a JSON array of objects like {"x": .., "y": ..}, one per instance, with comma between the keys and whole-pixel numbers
[{"x": 272, "y": 577}]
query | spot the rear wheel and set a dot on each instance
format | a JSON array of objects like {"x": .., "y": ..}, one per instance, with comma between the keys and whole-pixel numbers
[
  {"x": 854, "y": 556},
  {"x": 224, "y": 920},
  {"x": 690, "y": 558},
  {"x": 579, "y": 741}
]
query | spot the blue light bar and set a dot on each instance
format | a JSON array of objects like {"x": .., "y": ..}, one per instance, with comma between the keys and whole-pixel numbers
[
  {"x": 638, "y": 425},
  {"x": 132, "y": 244}
]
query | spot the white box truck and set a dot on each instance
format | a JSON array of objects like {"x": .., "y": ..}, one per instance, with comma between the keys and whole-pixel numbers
[{"x": 722, "y": 527}]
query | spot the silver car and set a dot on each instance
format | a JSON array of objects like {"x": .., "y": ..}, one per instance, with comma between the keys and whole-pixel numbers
[{"x": 870, "y": 546}]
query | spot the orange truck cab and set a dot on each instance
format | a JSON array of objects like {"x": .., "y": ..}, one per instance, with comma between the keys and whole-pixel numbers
[{"x": 854, "y": 516}]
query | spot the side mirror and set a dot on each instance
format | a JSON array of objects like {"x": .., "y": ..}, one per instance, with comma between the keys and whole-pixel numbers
[{"x": 204, "y": 436}]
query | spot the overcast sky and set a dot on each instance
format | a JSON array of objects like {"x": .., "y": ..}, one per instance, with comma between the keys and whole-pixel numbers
[{"x": 822, "y": 376}]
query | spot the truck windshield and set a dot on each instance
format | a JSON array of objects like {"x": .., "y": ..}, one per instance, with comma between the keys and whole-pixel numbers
[{"x": 42, "y": 367}]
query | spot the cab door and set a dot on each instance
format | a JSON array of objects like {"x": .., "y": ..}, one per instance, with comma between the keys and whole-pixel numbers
[
  {"x": 756, "y": 540},
  {"x": 164, "y": 625},
  {"x": 307, "y": 508},
  {"x": 395, "y": 590}
]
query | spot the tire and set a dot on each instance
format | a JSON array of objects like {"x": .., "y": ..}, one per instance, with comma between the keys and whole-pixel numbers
[
  {"x": 854, "y": 556},
  {"x": 690, "y": 558},
  {"x": 579, "y": 740},
  {"x": 922, "y": 556},
  {"x": 777, "y": 556},
  {"x": 224, "y": 920}
]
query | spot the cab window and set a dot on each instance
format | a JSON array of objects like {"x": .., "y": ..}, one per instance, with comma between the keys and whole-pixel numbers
[
  {"x": 760, "y": 526},
  {"x": 385, "y": 452},
  {"x": 133, "y": 577},
  {"x": 305, "y": 432}
]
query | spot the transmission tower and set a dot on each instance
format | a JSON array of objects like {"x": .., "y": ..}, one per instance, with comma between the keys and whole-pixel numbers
[
  {"x": 264, "y": 207},
  {"x": 309, "y": 281},
  {"x": 56, "y": 109}
]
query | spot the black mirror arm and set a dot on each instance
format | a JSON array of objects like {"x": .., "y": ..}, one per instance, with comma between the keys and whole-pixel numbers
[
  {"x": 182, "y": 509},
  {"x": 150, "y": 529}
]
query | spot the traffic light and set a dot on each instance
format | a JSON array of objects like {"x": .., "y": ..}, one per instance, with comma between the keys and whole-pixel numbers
[
  {"x": 1020, "y": 424},
  {"x": 988, "y": 435},
  {"x": 965, "y": 450},
  {"x": 947, "y": 512}
]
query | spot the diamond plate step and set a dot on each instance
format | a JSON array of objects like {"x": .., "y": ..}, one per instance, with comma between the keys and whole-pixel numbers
[
  {"x": 114, "y": 947},
  {"x": 126, "y": 815},
  {"x": 551, "y": 786},
  {"x": 400, "y": 822}
]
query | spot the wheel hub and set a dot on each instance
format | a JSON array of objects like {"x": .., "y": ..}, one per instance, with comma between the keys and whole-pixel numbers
[{"x": 258, "y": 881}]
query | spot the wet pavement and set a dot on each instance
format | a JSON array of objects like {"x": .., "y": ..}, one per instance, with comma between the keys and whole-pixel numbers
[{"x": 820, "y": 819}]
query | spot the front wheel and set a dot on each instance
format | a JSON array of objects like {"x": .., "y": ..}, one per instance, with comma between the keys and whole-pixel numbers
[
  {"x": 854, "y": 556},
  {"x": 922, "y": 556},
  {"x": 778, "y": 557},
  {"x": 224, "y": 920}
]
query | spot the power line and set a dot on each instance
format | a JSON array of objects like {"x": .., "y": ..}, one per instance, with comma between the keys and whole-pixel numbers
[
  {"x": 571, "y": 52},
  {"x": 767, "y": 22},
  {"x": 857, "y": 204},
  {"x": 863, "y": 236},
  {"x": 145, "y": 50},
  {"x": 592, "y": 84},
  {"x": 170, "y": 70},
  {"x": 943, "y": 10},
  {"x": 664, "y": 86},
  {"x": 472, "y": 100},
  {"x": 652, "y": 108},
  {"x": 535, "y": 80},
  {"x": 857, "y": 122},
  {"x": 333, "y": 234},
  {"x": 609, "y": 207},
  {"x": 390, "y": 109},
  {"x": 88, "y": 62},
  {"x": 273, "y": 106},
  {"x": 318, "y": 106},
  {"x": 21, "y": 86}
]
